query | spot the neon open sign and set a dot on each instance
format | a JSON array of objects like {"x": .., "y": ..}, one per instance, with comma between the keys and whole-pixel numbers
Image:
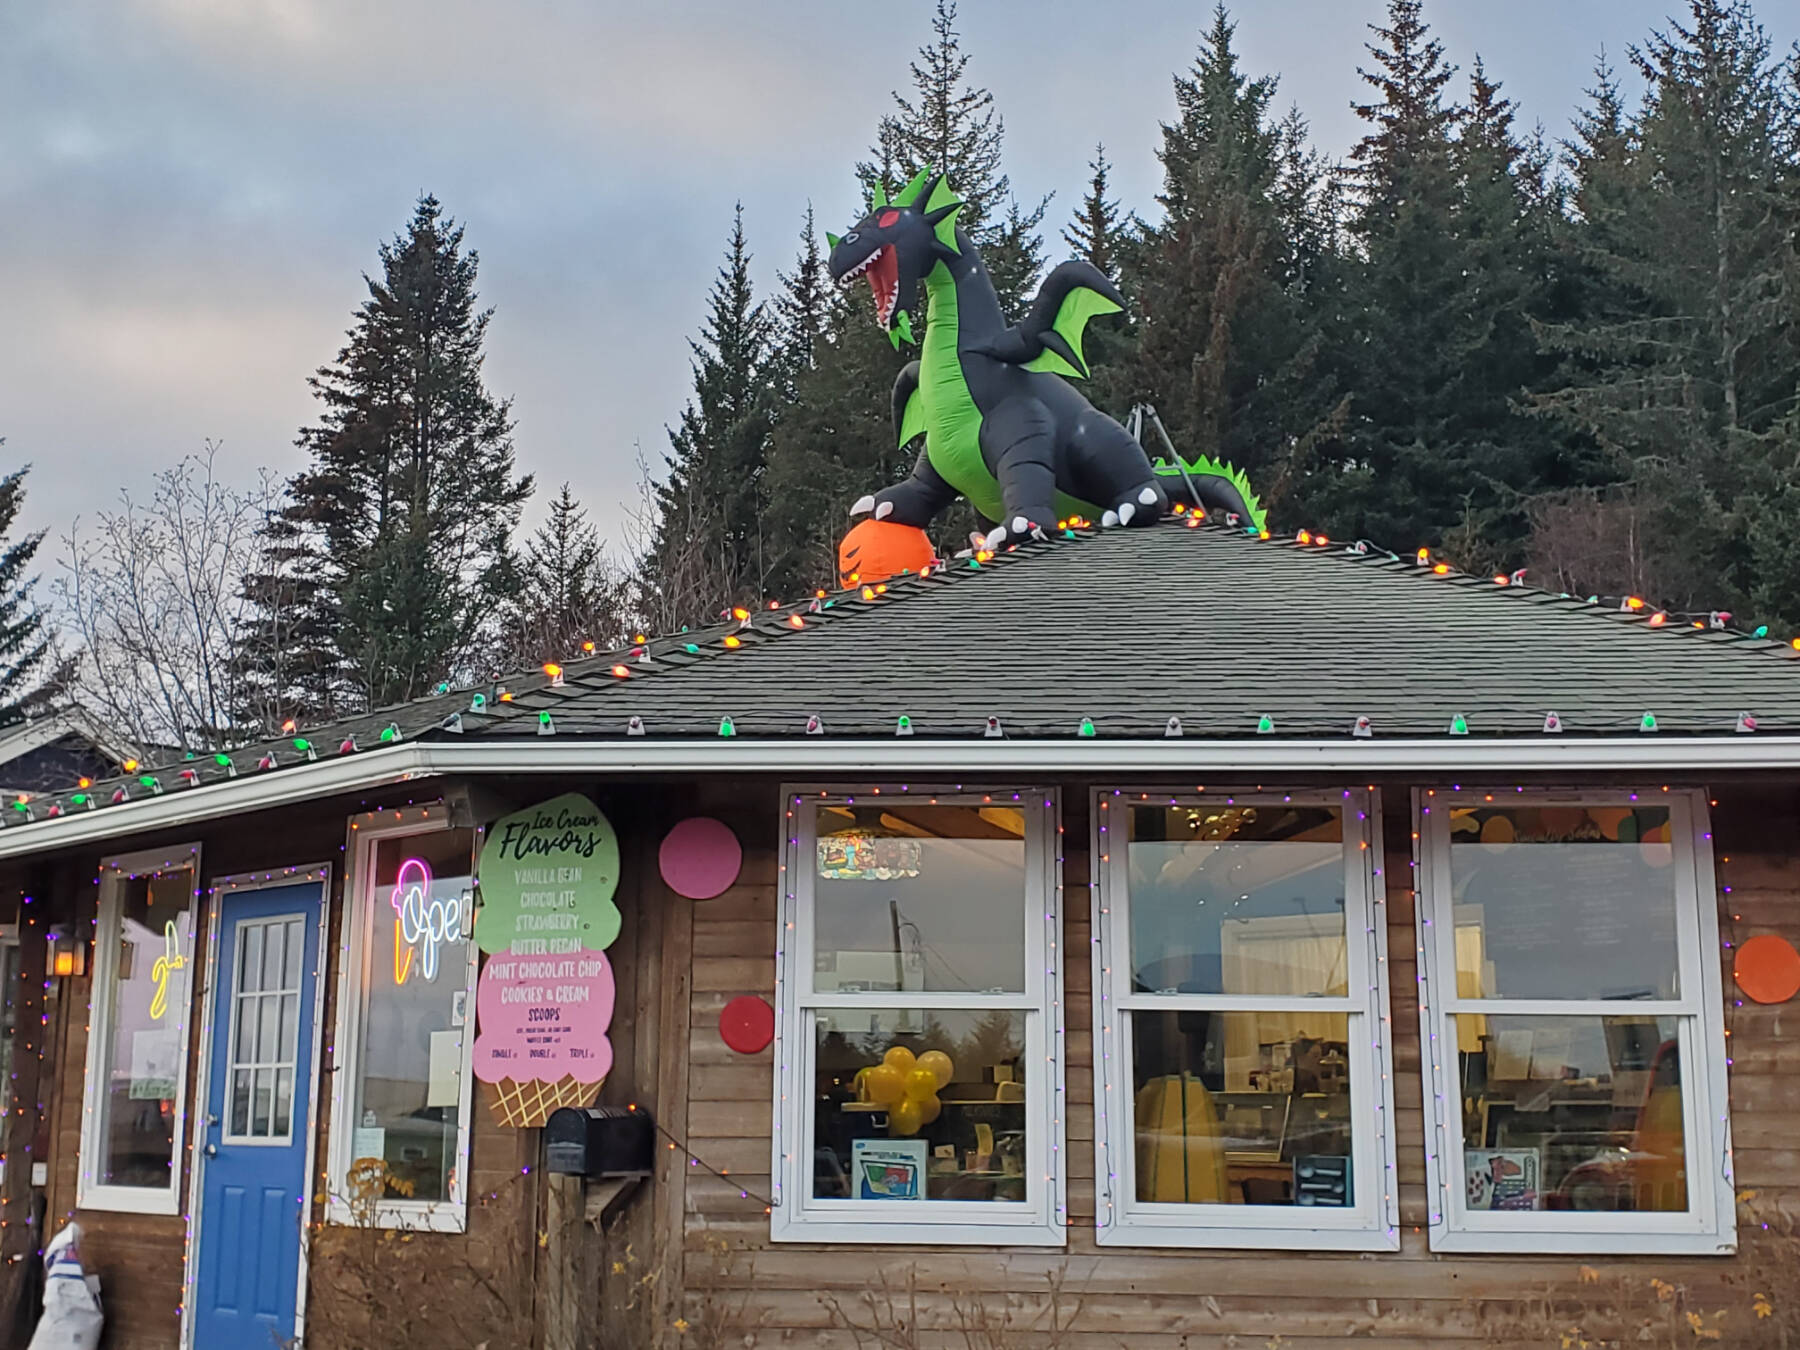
[{"x": 422, "y": 923}]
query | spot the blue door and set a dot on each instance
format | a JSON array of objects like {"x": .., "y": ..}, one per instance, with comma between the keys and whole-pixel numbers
[{"x": 253, "y": 1189}]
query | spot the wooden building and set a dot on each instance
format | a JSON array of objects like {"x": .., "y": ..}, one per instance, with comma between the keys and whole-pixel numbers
[{"x": 1188, "y": 939}]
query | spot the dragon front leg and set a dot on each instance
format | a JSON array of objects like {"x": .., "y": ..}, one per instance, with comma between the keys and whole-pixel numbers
[
  {"x": 1113, "y": 469},
  {"x": 1018, "y": 440},
  {"x": 913, "y": 501}
]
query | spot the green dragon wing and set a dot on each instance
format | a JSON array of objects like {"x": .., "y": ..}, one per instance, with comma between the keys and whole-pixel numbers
[
  {"x": 1049, "y": 337},
  {"x": 909, "y": 408},
  {"x": 1079, "y": 291}
]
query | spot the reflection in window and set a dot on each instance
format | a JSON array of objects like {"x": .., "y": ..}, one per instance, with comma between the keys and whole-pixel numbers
[
  {"x": 140, "y": 1027},
  {"x": 417, "y": 1004},
  {"x": 915, "y": 1105},
  {"x": 1242, "y": 1108},
  {"x": 1564, "y": 902},
  {"x": 1572, "y": 1113},
  {"x": 9, "y": 1014},
  {"x": 1232, "y": 899},
  {"x": 913, "y": 897}
]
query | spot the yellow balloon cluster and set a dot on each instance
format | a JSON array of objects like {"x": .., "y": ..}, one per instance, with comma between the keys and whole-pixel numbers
[{"x": 908, "y": 1086}]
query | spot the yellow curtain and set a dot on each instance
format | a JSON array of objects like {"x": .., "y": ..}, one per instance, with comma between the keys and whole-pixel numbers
[{"x": 1180, "y": 1145}]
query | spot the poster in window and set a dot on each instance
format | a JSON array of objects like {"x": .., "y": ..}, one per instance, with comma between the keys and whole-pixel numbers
[
  {"x": 155, "y": 1062},
  {"x": 1500, "y": 1179},
  {"x": 889, "y": 1169}
]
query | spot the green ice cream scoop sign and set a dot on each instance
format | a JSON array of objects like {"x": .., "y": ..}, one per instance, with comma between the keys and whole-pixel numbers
[{"x": 547, "y": 876}]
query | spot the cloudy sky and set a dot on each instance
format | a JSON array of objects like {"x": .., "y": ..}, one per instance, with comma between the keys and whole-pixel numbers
[{"x": 190, "y": 189}]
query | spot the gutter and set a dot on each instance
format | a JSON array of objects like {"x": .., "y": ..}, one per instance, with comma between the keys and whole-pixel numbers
[{"x": 862, "y": 759}]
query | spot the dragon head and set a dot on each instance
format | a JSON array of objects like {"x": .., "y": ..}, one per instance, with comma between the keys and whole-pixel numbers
[{"x": 896, "y": 245}]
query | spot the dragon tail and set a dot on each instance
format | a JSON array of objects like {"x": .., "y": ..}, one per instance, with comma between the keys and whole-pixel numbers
[{"x": 1212, "y": 484}]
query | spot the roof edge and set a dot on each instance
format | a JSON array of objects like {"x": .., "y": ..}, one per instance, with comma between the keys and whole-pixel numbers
[{"x": 862, "y": 759}]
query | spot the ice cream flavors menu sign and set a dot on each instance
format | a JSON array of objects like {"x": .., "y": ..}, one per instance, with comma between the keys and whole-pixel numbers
[
  {"x": 547, "y": 876},
  {"x": 545, "y": 999}
]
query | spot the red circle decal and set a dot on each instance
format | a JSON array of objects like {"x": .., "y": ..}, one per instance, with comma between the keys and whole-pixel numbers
[{"x": 747, "y": 1024}]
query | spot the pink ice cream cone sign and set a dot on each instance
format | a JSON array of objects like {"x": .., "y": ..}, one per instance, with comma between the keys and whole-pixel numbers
[{"x": 544, "y": 1017}]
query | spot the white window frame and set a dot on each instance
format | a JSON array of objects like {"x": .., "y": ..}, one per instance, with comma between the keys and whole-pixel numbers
[
  {"x": 795, "y": 1215},
  {"x": 1709, "y": 1226},
  {"x": 89, "y": 1193},
  {"x": 435, "y": 1216},
  {"x": 1121, "y": 1219}
]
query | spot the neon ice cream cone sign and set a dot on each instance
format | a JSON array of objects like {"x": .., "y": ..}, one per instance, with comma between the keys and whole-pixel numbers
[{"x": 422, "y": 924}]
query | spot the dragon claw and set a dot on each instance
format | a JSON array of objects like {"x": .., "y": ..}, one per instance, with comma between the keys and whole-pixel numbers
[
  {"x": 995, "y": 538},
  {"x": 1147, "y": 497},
  {"x": 1109, "y": 519},
  {"x": 864, "y": 504},
  {"x": 1126, "y": 511},
  {"x": 883, "y": 511}
]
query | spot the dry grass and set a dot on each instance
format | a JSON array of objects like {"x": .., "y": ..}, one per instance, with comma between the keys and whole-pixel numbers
[
  {"x": 1753, "y": 1303},
  {"x": 898, "y": 1317}
]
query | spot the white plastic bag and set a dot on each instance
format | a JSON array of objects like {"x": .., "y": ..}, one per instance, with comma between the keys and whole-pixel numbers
[{"x": 72, "y": 1319}]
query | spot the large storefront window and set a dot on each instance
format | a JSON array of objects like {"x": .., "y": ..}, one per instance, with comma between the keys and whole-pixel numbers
[
  {"x": 1576, "y": 1036},
  {"x": 138, "y": 1031},
  {"x": 405, "y": 1021},
  {"x": 1241, "y": 1042},
  {"x": 920, "y": 1035}
]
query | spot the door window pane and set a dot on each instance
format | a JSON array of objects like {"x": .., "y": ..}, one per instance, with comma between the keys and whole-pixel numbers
[
  {"x": 1564, "y": 902},
  {"x": 1237, "y": 899},
  {"x": 913, "y": 1105},
  {"x": 140, "y": 1022},
  {"x": 1571, "y": 1113},
  {"x": 919, "y": 897},
  {"x": 416, "y": 1007},
  {"x": 1242, "y": 1108},
  {"x": 265, "y": 1003}
]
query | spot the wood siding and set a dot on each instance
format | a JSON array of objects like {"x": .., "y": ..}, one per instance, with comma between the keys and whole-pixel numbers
[{"x": 735, "y": 1281}]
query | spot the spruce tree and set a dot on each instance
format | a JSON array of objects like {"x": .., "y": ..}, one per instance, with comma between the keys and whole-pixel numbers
[
  {"x": 1684, "y": 364},
  {"x": 1225, "y": 339},
  {"x": 1451, "y": 273},
  {"x": 1099, "y": 227},
  {"x": 708, "y": 549},
  {"x": 802, "y": 309},
  {"x": 411, "y": 495},
  {"x": 561, "y": 595},
  {"x": 950, "y": 125},
  {"x": 24, "y": 645}
]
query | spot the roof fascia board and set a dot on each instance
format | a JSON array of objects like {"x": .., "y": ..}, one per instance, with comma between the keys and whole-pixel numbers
[
  {"x": 1555, "y": 754},
  {"x": 868, "y": 758}
]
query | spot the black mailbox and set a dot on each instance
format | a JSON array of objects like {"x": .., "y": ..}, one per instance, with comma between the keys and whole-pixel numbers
[{"x": 599, "y": 1141}]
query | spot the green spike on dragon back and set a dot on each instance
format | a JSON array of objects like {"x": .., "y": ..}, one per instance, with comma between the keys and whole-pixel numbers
[{"x": 1002, "y": 426}]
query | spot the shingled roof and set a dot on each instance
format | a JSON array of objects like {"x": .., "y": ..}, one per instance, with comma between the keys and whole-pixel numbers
[
  {"x": 1218, "y": 629},
  {"x": 1094, "y": 637}
]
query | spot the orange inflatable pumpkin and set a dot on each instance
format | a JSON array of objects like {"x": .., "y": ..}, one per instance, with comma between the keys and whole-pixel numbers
[{"x": 879, "y": 549}]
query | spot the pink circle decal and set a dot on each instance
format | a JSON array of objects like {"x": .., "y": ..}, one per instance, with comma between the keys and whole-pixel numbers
[
  {"x": 700, "y": 858},
  {"x": 747, "y": 1024}
]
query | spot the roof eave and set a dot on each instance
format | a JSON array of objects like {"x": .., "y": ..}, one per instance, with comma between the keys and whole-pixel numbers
[{"x": 861, "y": 760}]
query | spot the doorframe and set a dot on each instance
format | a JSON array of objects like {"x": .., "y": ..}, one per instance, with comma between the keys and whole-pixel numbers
[{"x": 221, "y": 886}]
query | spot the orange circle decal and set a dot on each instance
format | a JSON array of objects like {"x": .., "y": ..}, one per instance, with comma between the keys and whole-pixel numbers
[{"x": 1768, "y": 969}]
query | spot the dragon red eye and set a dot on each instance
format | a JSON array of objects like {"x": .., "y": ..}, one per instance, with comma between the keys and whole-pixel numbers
[{"x": 887, "y": 218}]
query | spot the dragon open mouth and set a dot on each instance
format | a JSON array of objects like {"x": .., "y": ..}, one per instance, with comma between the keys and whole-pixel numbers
[{"x": 882, "y": 267}]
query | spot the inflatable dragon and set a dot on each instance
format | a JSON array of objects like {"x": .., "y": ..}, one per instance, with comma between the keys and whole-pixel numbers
[{"x": 1002, "y": 426}]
